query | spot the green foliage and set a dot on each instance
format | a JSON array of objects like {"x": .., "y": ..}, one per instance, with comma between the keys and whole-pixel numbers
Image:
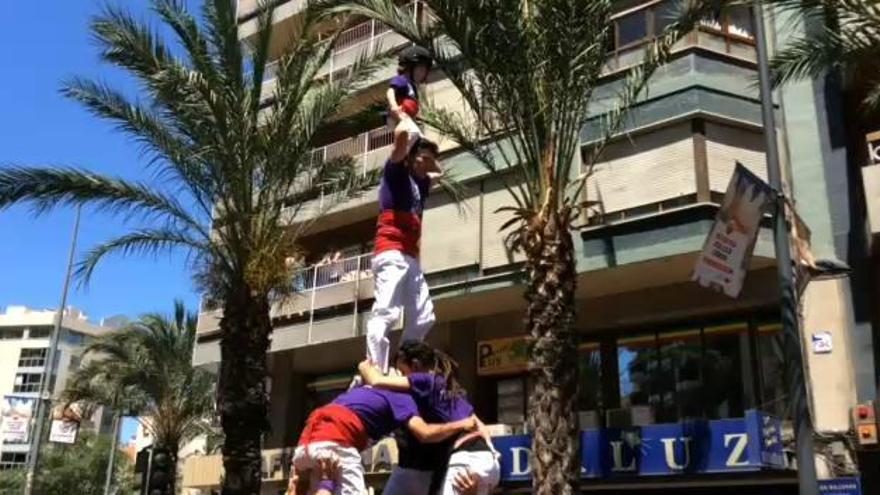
[
  {"x": 146, "y": 370},
  {"x": 223, "y": 154},
  {"x": 834, "y": 35},
  {"x": 11, "y": 481},
  {"x": 79, "y": 468},
  {"x": 528, "y": 71}
]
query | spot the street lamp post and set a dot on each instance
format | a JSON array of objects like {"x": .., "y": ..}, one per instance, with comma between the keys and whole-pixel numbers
[
  {"x": 807, "y": 482},
  {"x": 45, "y": 382}
]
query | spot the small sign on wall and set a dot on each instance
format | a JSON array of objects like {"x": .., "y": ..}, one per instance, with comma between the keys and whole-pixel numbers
[
  {"x": 840, "y": 486},
  {"x": 822, "y": 343}
]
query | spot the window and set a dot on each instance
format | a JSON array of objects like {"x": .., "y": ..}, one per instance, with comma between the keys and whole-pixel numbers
[
  {"x": 589, "y": 402},
  {"x": 512, "y": 401},
  {"x": 40, "y": 333},
  {"x": 774, "y": 395},
  {"x": 75, "y": 363},
  {"x": 27, "y": 382},
  {"x": 665, "y": 14},
  {"x": 13, "y": 460},
  {"x": 11, "y": 333},
  {"x": 72, "y": 338},
  {"x": 735, "y": 21},
  {"x": 677, "y": 395},
  {"x": 32, "y": 357},
  {"x": 632, "y": 28},
  {"x": 724, "y": 362},
  {"x": 681, "y": 375},
  {"x": 636, "y": 364}
]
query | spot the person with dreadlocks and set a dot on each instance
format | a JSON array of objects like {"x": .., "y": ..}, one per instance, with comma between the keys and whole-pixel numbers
[{"x": 430, "y": 377}]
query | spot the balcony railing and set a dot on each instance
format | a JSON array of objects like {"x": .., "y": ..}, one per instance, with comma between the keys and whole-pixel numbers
[
  {"x": 370, "y": 37},
  {"x": 333, "y": 272},
  {"x": 363, "y": 148}
]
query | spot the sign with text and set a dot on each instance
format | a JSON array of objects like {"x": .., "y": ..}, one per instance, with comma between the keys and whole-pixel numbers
[
  {"x": 752, "y": 443},
  {"x": 724, "y": 261},
  {"x": 15, "y": 418},
  {"x": 63, "y": 431},
  {"x": 502, "y": 356},
  {"x": 840, "y": 486}
]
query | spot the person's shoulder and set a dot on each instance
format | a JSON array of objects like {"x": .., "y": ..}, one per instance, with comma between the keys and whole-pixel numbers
[{"x": 399, "y": 81}]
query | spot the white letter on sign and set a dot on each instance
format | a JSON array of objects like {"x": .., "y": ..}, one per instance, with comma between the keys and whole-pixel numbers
[
  {"x": 521, "y": 465},
  {"x": 739, "y": 447},
  {"x": 617, "y": 452},
  {"x": 669, "y": 450}
]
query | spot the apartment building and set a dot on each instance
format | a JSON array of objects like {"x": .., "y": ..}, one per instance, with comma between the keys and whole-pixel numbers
[
  {"x": 24, "y": 348},
  {"x": 680, "y": 388}
]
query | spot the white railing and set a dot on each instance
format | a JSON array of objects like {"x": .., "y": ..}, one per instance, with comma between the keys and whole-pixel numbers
[
  {"x": 333, "y": 272},
  {"x": 358, "y": 147},
  {"x": 370, "y": 37}
]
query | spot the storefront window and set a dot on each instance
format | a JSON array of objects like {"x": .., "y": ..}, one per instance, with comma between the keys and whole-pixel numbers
[
  {"x": 512, "y": 401},
  {"x": 680, "y": 375},
  {"x": 774, "y": 394},
  {"x": 677, "y": 392},
  {"x": 589, "y": 385},
  {"x": 636, "y": 363},
  {"x": 724, "y": 370}
]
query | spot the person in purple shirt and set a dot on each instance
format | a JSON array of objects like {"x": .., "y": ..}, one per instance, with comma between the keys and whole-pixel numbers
[
  {"x": 429, "y": 377},
  {"x": 400, "y": 289},
  {"x": 343, "y": 428}
]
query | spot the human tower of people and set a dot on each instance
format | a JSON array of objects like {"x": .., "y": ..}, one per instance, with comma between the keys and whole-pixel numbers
[{"x": 443, "y": 446}]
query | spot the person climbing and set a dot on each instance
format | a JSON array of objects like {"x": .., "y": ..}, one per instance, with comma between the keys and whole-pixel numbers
[
  {"x": 430, "y": 377},
  {"x": 400, "y": 290},
  {"x": 414, "y": 64},
  {"x": 345, "y": 427}
]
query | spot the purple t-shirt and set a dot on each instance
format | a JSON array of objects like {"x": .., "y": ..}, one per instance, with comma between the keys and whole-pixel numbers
[
  {"x": 400, "y": 190},
  {"x": 435, "y": 404},
  {"x": 381, "y": 411},
  {"x": 403, "y": 88}
]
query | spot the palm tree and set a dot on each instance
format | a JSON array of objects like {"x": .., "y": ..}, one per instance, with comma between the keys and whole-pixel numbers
[
  {"x": 233, "y": 184},
  {"x": 840, "y": 35},
  {"x": 146, "y": 369},
  {"x": 528, "y": 70}
]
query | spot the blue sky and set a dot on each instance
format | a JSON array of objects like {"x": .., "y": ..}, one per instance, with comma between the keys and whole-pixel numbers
[{"x": 38, "y": 126}]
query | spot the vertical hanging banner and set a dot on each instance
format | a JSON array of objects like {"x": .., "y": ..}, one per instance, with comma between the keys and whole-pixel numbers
[
  {"x": 723, "y": 264},
  {"x": 15, "y": 422}
]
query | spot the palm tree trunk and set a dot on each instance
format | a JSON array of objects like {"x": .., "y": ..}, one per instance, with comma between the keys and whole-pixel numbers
[
  {"x": 550, "y": 319},
  {"x": 243, "y": 402}
]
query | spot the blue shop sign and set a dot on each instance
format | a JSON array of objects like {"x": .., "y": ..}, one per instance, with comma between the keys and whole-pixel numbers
[
  {"x": 744, "y": 444},
  {"x": 841, "y": 486}
]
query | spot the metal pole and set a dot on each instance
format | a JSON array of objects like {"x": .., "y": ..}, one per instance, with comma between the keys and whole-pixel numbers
[
  {"x": 108, "y": 478},
  {"x": 43, "y": 399},
  {"x": 788, "y": 301}
]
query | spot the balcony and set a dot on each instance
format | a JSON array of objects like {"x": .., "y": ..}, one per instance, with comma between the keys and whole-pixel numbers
[
  {"x": 366, "y": 38},
  {"x": 316, "y": 288}
]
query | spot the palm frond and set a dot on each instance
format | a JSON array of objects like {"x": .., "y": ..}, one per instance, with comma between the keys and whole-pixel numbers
[
  {"x": 141, "y": 241},
  {"x": 145, "y": 369},
  {"x": 47, "y": 188}
]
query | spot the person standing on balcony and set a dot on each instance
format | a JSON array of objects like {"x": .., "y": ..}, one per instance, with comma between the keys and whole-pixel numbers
[
  {"x": 414, "y": 64},
  {"x": 400, "y": 289}
]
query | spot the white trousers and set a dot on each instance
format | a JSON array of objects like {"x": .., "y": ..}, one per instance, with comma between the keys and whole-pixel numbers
[
  {"x": 483, "y": 464},
  {"x": 351, "y": 480},
  {"x": 405, "y": 481},
  {"x": 400, "y": 287}
]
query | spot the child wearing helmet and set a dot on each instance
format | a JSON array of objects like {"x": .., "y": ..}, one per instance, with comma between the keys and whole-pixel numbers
[{"x": 414, "y": 64}]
